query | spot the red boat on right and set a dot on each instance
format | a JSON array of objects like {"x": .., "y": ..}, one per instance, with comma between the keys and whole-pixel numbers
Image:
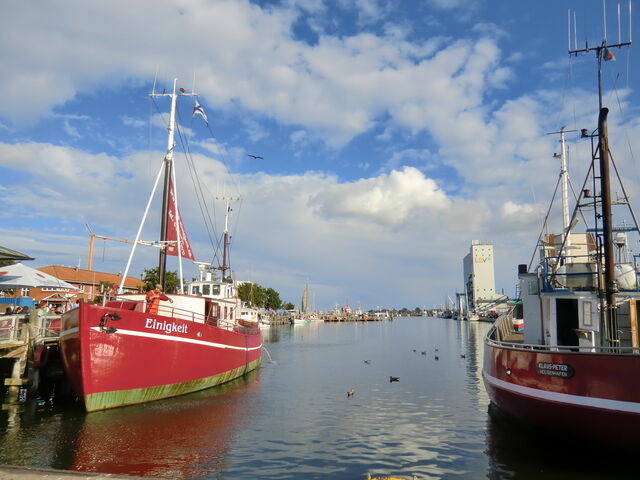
[{"x": 576, "y": 366}]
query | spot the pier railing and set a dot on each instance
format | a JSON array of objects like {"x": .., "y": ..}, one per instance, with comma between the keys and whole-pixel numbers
[{"x": 10, "y": 328}]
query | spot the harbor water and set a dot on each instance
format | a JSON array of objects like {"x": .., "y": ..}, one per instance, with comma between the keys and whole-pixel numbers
[{"x": 294, "y": 418}]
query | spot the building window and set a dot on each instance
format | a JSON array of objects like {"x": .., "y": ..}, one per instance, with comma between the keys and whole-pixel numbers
[{"x": 24, "y": 292}]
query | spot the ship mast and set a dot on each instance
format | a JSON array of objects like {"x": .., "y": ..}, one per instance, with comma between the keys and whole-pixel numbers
[
  {"x": 564, "y": 181},
  {"x": 226, "y": 239},
  {"x": 168, "y": 161},
  {"x": 166, "y": 169},
  {"x": 608, "y": 294}
]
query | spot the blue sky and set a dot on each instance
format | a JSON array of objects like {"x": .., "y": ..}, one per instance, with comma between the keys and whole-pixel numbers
[{"x": 393, "y": 133}]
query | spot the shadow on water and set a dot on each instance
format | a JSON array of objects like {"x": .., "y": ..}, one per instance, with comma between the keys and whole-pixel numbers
[
  {"x": 521, "y": 451},
  {"x": 184, "y": 437}
]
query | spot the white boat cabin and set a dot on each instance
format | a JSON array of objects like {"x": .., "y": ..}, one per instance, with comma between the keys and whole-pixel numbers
[{"x": 561, "y": 304}]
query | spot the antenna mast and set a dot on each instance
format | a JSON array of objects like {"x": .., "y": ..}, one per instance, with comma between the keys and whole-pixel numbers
[
  {"x": 608, "y": 294},
  {"x": 226, "y": 237}
]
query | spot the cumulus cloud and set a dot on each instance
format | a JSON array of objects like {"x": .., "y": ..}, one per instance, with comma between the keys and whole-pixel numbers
[
  {"x": 324, "y": 92},
  {"x": 388, "y": 199},
  {"x": 337, "y": 88}
]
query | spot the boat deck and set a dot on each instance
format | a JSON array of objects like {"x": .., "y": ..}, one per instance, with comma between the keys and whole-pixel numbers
[{"x": 514, "y": 337}]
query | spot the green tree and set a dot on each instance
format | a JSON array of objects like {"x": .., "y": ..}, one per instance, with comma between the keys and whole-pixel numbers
[
  {"x": 150, "y": 278},
  {"x": 252, "y": 294},
  {"x": 272, "y": 299},
  {"x": 5, "y": 263},
  {"x": 288, "y": 306}
]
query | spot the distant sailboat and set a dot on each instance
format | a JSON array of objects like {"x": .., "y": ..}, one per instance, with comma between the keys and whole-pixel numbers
[{"x": 302, "y": 318}]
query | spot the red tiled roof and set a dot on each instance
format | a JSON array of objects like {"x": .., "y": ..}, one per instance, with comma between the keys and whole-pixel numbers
[{"x": 89, "y": 277}]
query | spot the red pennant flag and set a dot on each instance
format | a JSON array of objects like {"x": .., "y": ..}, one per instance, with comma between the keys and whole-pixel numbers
[
  {"x": 608, "y": 55},
  {"x": 173, "y": 223}
]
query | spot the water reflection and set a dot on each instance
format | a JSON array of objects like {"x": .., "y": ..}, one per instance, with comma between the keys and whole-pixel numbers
[
  {"x": 292, "y": 419},
  {"x": 184, "y": 437},
  {"x": 517, "y": 450}
]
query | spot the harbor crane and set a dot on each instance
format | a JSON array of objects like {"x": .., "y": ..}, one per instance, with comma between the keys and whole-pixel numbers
[{"x": 92, "y": 237}]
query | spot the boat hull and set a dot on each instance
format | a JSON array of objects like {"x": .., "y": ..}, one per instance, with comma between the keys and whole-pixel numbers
[
  {"x": 592, "y": 395},
  {"x": 142, "y": 357}
]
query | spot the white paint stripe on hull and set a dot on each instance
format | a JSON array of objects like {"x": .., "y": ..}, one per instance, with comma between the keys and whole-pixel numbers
[
  {"x": 594, "y": 402},
  {"x": 159, "y": 336}
]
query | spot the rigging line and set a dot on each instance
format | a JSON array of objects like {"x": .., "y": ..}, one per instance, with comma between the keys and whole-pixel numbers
[
  {"x": 226, "y": 164},
  {"x": 237, "y": 222},
  {"x": 544, "y": 224},
  {"x": 577, "y": 199},
  {"x": 625, "y": 128},
  {"x": 194, "y": 178},
  {"x": 624, "y": 192},
  {"x": 209, "y": 223},
  {"x": 224, "y": 157}
]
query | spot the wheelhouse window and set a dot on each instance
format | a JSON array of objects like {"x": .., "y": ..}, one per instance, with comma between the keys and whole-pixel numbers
[
  {"x": 215, "y": 289},
  {"x": 195, "y": 290},
  {"x": 206, "y": 289}
]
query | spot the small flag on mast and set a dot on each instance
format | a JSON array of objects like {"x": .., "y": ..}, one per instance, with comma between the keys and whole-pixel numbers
[
  {"x": 198, "y": 110},
  {"x": 608, "y": 55}
]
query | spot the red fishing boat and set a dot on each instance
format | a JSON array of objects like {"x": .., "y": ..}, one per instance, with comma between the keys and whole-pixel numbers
[
  {"x": 132, "y": 350},
  {"x": 575, "y": 368}
]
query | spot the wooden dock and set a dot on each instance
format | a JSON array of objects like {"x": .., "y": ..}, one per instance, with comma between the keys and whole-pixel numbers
[{"x": 20, "y": 337}]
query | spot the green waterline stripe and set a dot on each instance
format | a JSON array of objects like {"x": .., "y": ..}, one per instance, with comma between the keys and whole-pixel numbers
[{"x": 120, "y": 398}]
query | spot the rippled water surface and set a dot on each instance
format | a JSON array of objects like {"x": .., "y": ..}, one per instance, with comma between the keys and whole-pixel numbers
[{"x": 293, "y": 419}]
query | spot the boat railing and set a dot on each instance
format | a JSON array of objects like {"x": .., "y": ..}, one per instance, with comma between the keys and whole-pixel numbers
[
  {"x": 493, "y": 340},
  {"x": 504, "y": 326},
  {"x": 168, "y": 310}
]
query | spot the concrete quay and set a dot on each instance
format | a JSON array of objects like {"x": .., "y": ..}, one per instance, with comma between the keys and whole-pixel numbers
[{"x": 8, "y": 472}]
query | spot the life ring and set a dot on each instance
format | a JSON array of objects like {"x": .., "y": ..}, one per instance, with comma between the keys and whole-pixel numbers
[{"x": 41, "y": 356}]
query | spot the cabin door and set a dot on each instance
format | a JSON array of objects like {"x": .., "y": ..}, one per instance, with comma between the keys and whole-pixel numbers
[
  {"x": 211, "y": 312},
  {"x": 567, "y": 321}
]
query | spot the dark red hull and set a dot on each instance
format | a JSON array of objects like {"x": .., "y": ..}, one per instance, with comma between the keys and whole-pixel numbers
[
  {"x": 593, "y": 395},
  {"x": 142, "y": 357}
]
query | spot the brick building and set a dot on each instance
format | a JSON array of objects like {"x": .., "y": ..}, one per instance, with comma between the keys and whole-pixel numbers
[{"x": 87, "y": 282}]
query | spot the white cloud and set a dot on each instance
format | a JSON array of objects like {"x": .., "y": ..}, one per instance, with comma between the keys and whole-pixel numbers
[
  {"x": 133, "y": 122},
  {"x": 338, "y": 88},
  {"x": 388, "y": 199}
]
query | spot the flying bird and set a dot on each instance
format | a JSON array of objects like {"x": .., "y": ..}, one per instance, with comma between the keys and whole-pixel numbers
[
  {"x": 394, "y": 379},
  {"x": 255, "y": 156},
  {"x": 350, "y": 393},
  {"x": 367, "y": 362}
]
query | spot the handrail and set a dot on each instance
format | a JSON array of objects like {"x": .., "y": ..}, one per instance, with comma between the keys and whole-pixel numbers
[
  {"x": 595, "y": 349},
  {"x": 504, "y": 325},
  {"x": 9, "y": 328},
  {"x": 188, "y": 315}
]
